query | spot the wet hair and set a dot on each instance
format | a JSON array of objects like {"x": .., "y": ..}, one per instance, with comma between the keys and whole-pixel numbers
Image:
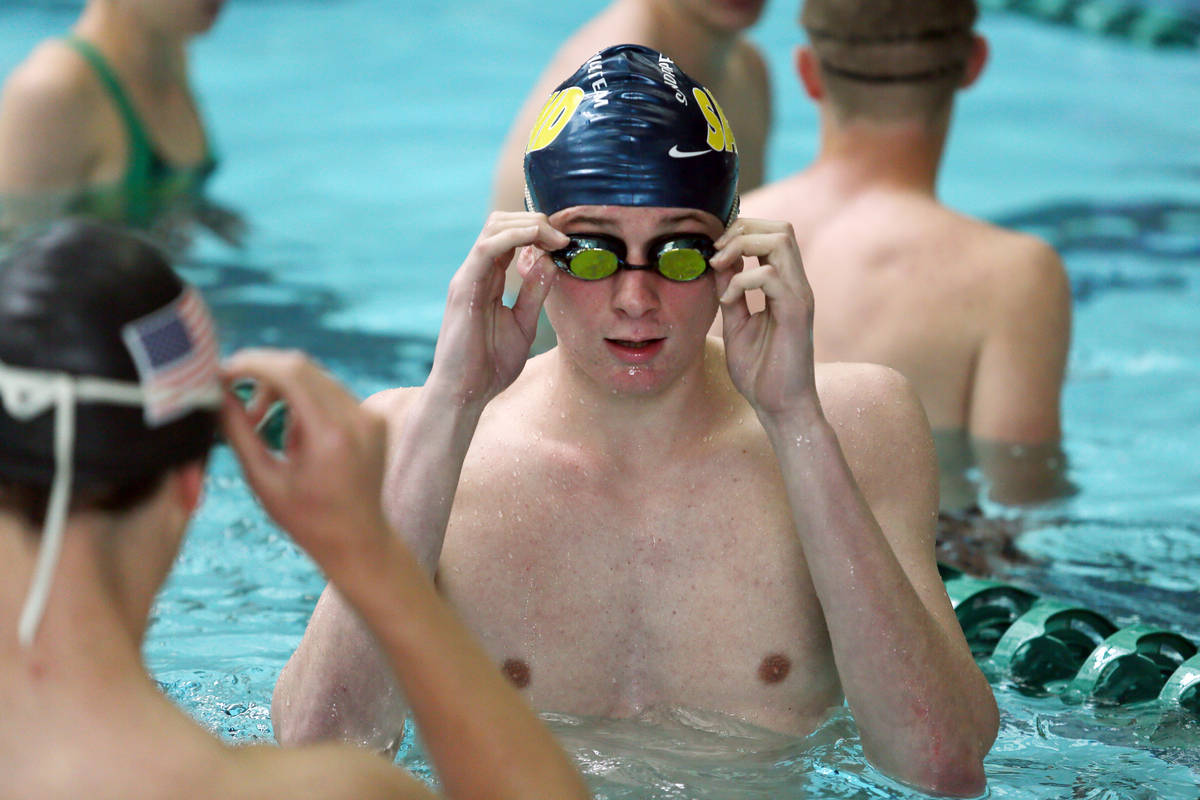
[
  {"x": 630, "y": 128},
  {"x": 890, "y": 58},
  {"x": 65, "y": 295}
]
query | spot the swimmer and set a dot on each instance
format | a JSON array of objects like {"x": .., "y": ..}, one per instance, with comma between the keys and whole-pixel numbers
[
  {"x": 110, "y": 402},
  {"x": 978, "y": 318},
  {"x": 648, "y": 517},
  {"x": 706, "y": 38},
  {"x": 103, "y": 123}
]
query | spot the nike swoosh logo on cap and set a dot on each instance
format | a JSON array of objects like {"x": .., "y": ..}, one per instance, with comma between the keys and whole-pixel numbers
[{"x": 675, "y": 152}]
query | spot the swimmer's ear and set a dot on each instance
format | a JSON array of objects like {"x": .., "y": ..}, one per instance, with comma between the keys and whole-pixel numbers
[
  {"x": 189, "y": 485},
  {"x": 808, "y": 68},
  {"x": 976, "y": 60}
]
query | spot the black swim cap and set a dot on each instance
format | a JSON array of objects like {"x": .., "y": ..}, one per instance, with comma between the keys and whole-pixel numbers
[
  {"x": 66, "y": 299},
  {"x": 630, "y": 128}
]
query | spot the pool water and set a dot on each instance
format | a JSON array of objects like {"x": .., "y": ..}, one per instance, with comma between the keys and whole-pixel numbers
[{"x": 358, "y": 138}]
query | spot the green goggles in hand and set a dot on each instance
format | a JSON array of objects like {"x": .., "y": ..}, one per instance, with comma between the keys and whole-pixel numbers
[{"x": 594, "y": 257}]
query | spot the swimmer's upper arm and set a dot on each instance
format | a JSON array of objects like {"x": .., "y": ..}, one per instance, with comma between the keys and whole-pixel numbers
[
  {"x": 339, "y": 685},
  {"x": 885, "y": 436},
  {"x": 46, "y": 125},
  {"x": 1017, "y": 385}
]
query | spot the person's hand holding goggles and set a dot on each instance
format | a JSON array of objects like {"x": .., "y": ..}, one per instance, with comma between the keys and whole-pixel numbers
[{"x": 594, "y": 256}]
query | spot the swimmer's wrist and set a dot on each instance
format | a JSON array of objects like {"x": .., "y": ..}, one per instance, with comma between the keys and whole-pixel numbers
[{"x": 803, "y": 419}]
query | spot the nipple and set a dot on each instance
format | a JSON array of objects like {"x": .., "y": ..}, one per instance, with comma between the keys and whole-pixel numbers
[
  {"x": 516, "y": 671},
  {"x": 774, "y": 668}
]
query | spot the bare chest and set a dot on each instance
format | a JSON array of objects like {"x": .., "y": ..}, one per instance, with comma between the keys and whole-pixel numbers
[{"x": 610, "y": 592}]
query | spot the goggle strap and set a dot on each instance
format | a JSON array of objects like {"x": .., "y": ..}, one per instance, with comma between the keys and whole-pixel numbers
[
  {"x": 50, "y": 547},
  {"x": 28, "y": 393}
]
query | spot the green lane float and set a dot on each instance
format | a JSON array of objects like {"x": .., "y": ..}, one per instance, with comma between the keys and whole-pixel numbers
[
  {"x": 1183, "y": 687},
  {"x": 1131, "y": 666},
  {"x": 1048, "y": 646},
  {"x": 1137, "y": 22}
]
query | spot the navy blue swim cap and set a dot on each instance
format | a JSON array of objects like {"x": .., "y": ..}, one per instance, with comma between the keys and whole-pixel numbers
[{"x": 630, "y": 128}]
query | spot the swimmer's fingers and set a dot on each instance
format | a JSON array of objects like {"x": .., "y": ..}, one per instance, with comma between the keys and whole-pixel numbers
[
  {"x": 535, "y": 285},
  {"x": 503, "y": 233},
  {"x": 780, "y": 274}
]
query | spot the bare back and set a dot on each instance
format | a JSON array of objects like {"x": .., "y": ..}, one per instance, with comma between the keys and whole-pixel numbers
[{"x": 901, "y": 280}]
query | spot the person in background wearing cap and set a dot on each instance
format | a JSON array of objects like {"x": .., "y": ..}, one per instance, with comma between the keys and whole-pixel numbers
[
  {"x": 103, "y": 123},
  {"x": 705, "y": 37},
  {"x": 648, "y": 516},
  {"x": 109, "y": 383},
  {"x": 977, "y": 317}
]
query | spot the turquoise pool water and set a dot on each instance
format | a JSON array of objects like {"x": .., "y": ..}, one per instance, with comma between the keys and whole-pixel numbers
[{"x": 358, "y": 137}]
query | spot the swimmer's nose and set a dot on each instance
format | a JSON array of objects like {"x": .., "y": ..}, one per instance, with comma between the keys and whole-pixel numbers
[{"x": 635, "y": 292}]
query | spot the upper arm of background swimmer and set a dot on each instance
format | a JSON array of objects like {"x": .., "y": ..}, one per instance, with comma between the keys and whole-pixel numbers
[
  {"x": 1018, "y": 377},
  {"x": 46, "y": 126},
  {"x": 1018, "y": 381},
  {"x": 753, "y": 136},
  {"x": 338, "y": 685}
]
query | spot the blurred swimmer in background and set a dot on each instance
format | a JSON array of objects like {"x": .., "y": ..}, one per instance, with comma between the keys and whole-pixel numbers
[
  {"x": 103, "y": 123},
  {"x": 976, "y": 316},
  {"x": 111, "y": 399}
]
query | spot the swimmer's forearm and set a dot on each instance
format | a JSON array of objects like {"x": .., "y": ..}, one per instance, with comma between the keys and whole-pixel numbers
[
  {"x": 479, "y": 731},
  {"x": 933, "y": 718},
  {"x": 424, "y": 466}
]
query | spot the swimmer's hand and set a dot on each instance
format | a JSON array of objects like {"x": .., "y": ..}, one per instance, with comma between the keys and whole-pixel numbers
[
  {"x": 483, "y": 344},
  {"x": 324, "y": 488},
  {"x": 769, "y": 353},
  {"x": 223, "y": 222}
]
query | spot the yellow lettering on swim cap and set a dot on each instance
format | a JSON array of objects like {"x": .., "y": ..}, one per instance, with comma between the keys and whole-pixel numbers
[
  {"x": 553, "y": 117},
  {"x": 720, "y": 135}
]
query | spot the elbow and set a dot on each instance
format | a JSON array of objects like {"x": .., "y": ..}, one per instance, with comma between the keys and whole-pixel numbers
[
  {"x": 947, "y": 760},
  {"x": 952, "y": 765}
]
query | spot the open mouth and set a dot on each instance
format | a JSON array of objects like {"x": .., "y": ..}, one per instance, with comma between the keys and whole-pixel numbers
[{"x": 634, "y": 350}]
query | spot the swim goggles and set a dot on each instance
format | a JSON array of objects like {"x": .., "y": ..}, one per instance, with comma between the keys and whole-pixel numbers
[{"x": 593, "y": 257}]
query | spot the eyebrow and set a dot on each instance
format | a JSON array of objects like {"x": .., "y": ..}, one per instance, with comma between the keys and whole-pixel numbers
[{"x": 600, "y": 222}]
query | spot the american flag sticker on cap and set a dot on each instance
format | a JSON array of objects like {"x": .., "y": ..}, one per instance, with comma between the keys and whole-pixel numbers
[{"x": 175, "y": 352}]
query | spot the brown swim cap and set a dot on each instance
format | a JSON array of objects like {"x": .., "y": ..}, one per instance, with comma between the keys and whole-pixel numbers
[{"x": 890, "y": 41}]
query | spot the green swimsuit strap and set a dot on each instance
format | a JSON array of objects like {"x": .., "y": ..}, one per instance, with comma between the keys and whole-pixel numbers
[{"x": 137, "y": 174}]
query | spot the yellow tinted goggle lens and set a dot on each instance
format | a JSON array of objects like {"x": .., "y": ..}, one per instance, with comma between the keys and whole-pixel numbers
[
  {"x": 684, "y": 264},
  {"x": 594, "y": 264}
]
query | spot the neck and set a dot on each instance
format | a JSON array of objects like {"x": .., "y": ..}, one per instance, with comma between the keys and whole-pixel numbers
[
  {"x": 703, "y": 51},
  {"x": 613, "y": 423},
  {"x": 902, "y": 154},
  {"x": 138, "y": 50},
  {"x": 86, "y": 635}
]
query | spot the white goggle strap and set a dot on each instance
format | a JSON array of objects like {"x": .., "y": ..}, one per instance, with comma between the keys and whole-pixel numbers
[{"x": 26, "y": 394}]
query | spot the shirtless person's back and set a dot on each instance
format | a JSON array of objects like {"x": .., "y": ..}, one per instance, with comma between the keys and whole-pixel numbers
[
  {"x": 977, "y": 317},
  {"x": 646, "y": 517}
]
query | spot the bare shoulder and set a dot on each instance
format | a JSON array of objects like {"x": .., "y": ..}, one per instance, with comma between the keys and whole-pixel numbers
[
  {"x": 392, "y": 404},
  {"x": 47, "y": 115},
  {"x": 865, "y": 400},
  {"x": 751, "y": 65},
  {"x": 53, "y": 77},
  {"x": 881, "y": 427}
]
